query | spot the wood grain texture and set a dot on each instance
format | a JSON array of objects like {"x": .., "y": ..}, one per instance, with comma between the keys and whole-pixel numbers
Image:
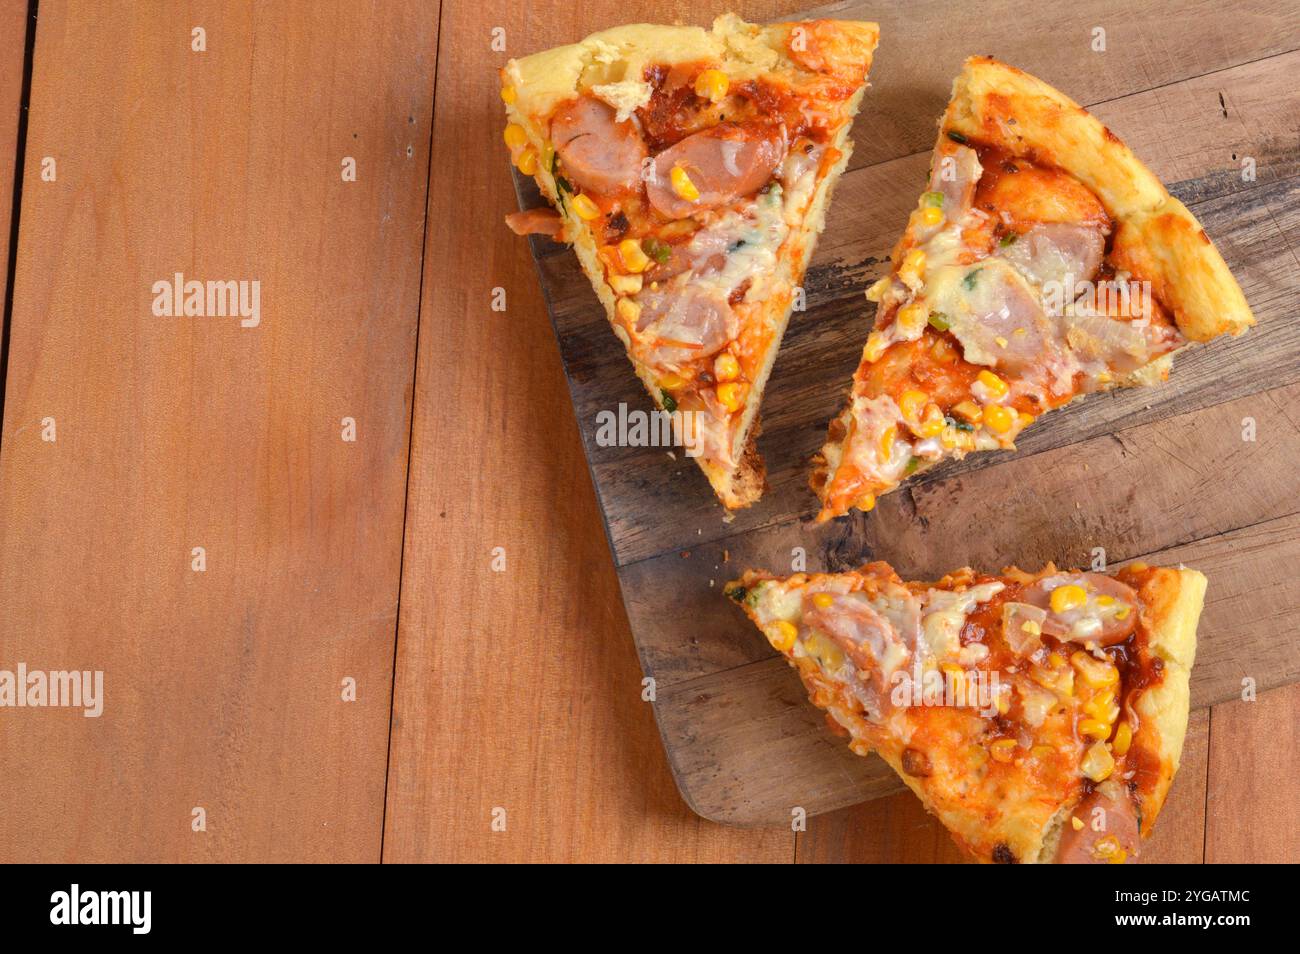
[
  {"x": 1255, "y": 779},
  {"x": 517, "y": 690},
  {"x": 742, "y": 744},
  {"x": 223, "y": 687},
  {"x": 1152, "y": 44}
]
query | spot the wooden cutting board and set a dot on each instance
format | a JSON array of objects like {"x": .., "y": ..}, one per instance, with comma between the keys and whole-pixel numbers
[{"x": 1201, "y": 470}]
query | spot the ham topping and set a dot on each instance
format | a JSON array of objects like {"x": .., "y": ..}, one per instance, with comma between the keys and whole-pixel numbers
[
  {"x": 678, "y": 325},
  {"x": 1109, "y": 809},
  {"x": 1058, "y": 253},
  {"x": 1085, "y": 607},
  {"x": 544, "y": 221},
  {"x": 867, "y": 638}
]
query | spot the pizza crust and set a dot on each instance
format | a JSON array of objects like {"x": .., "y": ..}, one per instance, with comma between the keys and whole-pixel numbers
[
  {"x": 1157, "y": 239},
  {"x": 1175, "y": 599}
]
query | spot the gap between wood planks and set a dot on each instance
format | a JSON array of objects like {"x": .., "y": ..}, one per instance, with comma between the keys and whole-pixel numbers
[
  {"x": 20, "y": 153},
  {"x": 410, "y": 436}
]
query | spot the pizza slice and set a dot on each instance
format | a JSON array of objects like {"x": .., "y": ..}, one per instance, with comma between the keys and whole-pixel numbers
[
  {"x": 691, "y": 169},
  {"x": 1039, "y": 716},
  {"x": 1043, "y": 262}
]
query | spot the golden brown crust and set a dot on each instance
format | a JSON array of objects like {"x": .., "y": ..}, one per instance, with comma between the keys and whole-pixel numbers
[
  {"x": 1174, "y": 599},
  {"x": 1157, "y": 238}
]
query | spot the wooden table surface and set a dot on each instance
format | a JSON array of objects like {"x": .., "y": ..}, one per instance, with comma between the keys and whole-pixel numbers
[{"x": 449, "y": 561}]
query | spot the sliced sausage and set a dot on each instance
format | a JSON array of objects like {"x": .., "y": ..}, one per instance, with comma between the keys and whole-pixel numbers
[
  {"x": 723, "y": 163},
  {"x": 681, "y": 325},
  {"x": 1102, "y": 621},
  {"x": 1089, "y": 847},
  {"x": 1052, "y": 252},
  {"x": 598, "y": 153},
  {"x": 536, "y": 222}
]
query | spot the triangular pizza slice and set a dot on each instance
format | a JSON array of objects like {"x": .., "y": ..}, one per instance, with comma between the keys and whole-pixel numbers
[
  {"x": 691, "y": 170},
  {"x": 1043, "y": 262},
  {"x": 1039, "y": 716}
]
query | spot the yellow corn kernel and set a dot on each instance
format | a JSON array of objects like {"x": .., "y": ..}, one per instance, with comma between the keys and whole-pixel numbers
[
  {"x": 508, "y": 94},
  {"x": 824, "y": 651},
  {"x": 632, "y": 257},
  {"x": 912, "y": 403},
  {"x": 1106, "y": 847},
  {"x": 993, "y": 384},
  {"x": 912, "y": 267},
  {"x": 628, "y": 311},
  {"x": 671, "y": 381},
  {"x": 913, "y": 318},
  {"x": 998, "y": 418},
  {"x": 1123, "y": 611},
  {"x": 1118, "y": 858},
  {"x": 548, "y": 156},
  {"x": 726, "y": 367},
  {"x": 625, "y": 284},
  {"x": 1094, "y": 672},
  {"x": 1105, "y": 600},
  {"x": 1076, "y": 823},
  {"x": 865, "y": 503},
  {"x": 1137, "y": 567},
  {"x": 878, "y": 289},
  {"x": 1003, "y": 702},
  {"x": 1123, "y": 739},
  {"x": 875, "y": 347},
  {"x": 1055, "y": 661},
  {"x": 823, "y": 600},
  {"x": 584, "y": 208},
  {"x": 932, "y": 423},
  {"x": 1003, "y": 750},
  {"x": 1024, "y": 419},
  {"x": 1068, "y": 597},
  {"x": 782, "y": 635},
  {"x": 732, "y": 396},
  {"x": 712, "y": 85},
  {"x": 683, "y": 185},
  {"x": 1042, "y": 752},
  {"x": 1033, "y": 629},
  {"x": 969, "y": 410},
  {"x": 1101, "y": 705},
  {"x": 515, "y": 136},
  {"x": 887, "y": 441},
  {"x": 1097, "y": 763},
  {"x": 1094, "y": 729},
  {"x": 931, "y": 216},
  {"x": 527, "y": 163}
]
